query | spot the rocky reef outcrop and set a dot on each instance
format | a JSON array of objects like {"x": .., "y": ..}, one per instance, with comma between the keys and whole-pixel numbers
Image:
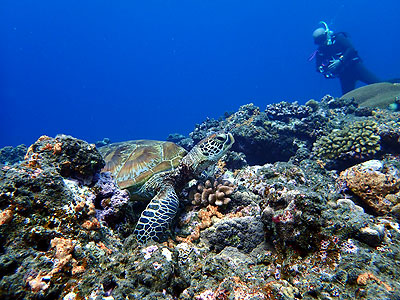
[{"x": 306, "y": 206}]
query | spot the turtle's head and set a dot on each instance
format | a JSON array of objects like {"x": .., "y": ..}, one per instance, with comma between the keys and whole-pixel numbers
[{"x": 209, "y": 151}]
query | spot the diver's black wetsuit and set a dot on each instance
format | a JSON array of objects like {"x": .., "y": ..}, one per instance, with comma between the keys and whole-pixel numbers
[{"x": 350, "y": 70}]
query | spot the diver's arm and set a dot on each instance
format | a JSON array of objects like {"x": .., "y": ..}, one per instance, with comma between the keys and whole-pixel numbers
[{"x": 348, "y": 50}]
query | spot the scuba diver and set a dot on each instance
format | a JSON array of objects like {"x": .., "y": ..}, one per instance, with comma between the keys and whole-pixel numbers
[{"x": 336, "y": 57}]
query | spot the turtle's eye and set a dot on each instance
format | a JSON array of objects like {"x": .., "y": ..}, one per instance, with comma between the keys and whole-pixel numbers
[{"x": 220, "y": 138}]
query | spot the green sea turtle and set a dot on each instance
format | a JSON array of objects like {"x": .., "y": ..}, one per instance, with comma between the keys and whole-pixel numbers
[{"x": 156, "y": 170}]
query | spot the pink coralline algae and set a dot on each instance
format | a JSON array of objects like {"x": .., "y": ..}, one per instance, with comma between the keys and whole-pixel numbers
[{"x": 109, "y": 199}]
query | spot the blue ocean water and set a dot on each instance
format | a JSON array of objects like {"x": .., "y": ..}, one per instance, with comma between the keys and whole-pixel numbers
[{"x": 144, "y": 69}]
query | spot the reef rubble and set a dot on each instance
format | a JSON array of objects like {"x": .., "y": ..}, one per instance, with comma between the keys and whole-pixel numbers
[{"x": 305, "y": 206}]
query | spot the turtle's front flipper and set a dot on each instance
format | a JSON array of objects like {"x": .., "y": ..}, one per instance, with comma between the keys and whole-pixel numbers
[{"x": 157, "y": 216}]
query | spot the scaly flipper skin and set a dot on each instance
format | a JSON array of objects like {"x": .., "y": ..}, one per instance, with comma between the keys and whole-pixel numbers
[{"x": 156, "y": 218}]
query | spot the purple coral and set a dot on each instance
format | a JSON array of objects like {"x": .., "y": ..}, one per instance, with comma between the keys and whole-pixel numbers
[{"x": 109, "y": 199}]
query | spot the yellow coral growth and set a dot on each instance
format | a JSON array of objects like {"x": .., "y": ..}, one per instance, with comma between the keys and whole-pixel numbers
[{"x": 358, "y": 140}]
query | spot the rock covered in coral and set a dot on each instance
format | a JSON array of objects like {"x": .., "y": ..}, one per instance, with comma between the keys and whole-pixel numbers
[
  {"x": 376, "y": 183},
  {"x": 338, "y": 129},
  {"x": 244, "y": 233},
  {"x": 292, "y": 230},
  {"x": 261, "y": 138},
  {"x": 182, "y": 140},
  {"x": 289, "y": 205},
  {"x": 10, "y": 155},
  {"x": 47, "y": 220},
  {"x": 71, "y": 157},
  {"x": 389, "y": 131},
  {"x": 285, "y": 111}
]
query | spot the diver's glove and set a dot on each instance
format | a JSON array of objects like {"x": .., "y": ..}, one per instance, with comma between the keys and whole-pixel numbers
[{"x": 334, "y": 65}]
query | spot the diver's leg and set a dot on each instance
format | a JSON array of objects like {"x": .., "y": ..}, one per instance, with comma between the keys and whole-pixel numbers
[
  {"x": 347, "y": 81},
  {"x": 366, "y": 76}
]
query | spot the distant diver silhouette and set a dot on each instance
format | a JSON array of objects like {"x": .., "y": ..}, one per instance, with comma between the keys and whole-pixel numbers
[{"x": 337, "y": 58}]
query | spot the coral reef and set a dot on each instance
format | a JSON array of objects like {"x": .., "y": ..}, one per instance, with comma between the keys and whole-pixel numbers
[
  {"x": 10, "y": 155},
  {"x": 297, "y": 225},
  {"x": 280, "y": 131},
  {"x": 289, "y": 205},
  {"x": 46, "y": 220},
  {"x": 206, "y": 220},
  {"x": 244, "y": 233},
  {"x": 285, "y": 111}
]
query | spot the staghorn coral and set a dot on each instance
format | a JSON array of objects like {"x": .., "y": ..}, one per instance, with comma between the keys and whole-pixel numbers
[
  {"x": 212, "y": 192},
  {"x": 359, "y": 140}
]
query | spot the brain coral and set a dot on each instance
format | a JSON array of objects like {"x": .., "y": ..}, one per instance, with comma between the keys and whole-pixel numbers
[{"x": 358, "y": 140}]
